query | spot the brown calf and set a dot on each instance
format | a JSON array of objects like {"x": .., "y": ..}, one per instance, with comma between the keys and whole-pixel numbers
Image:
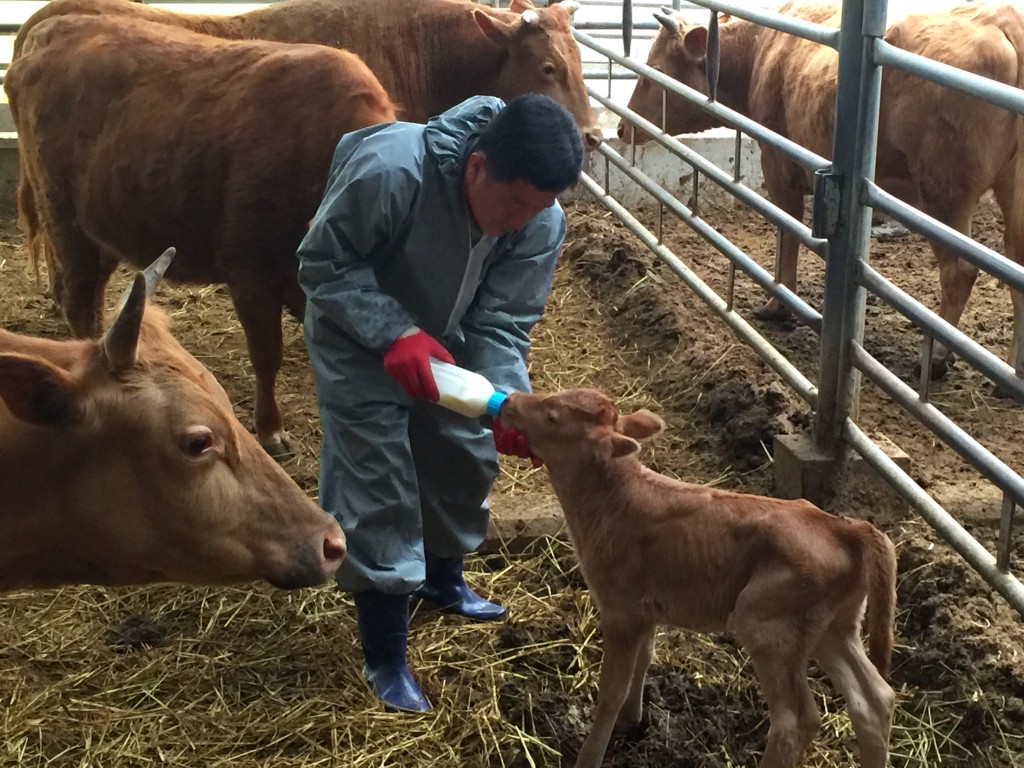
[
  {"x": 788, "y": 580},
  {"x": 121, "y": 462},
  {"x": 938, "y": 149}
]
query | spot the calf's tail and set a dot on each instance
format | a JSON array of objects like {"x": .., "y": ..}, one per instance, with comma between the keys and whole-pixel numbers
[{"x": 881, "y": 562}]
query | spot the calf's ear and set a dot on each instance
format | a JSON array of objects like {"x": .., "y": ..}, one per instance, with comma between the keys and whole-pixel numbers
[
  {"x": 620, "y": 445},
  {"x": 37, "y": 392},
  {"x": 640, "y": 425}
]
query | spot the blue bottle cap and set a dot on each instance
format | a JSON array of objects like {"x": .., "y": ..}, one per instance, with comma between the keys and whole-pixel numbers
[{"x": 494, "y": 403}]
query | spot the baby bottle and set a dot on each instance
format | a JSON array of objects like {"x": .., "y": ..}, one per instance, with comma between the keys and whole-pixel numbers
[{"x": 466, "y": 392}]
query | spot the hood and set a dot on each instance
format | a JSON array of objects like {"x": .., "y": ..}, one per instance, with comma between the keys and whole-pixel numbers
[{"x": 451, "y": 136}]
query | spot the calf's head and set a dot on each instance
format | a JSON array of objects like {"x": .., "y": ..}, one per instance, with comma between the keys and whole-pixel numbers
[
  {"x": 679, "y": 52},
  {"x": 136, "y": 470},
  {"x": 577, "y": 426},
  {"x": 542, "y": 58}
]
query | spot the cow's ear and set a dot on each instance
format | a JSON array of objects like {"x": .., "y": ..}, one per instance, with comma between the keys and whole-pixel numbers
[
  {"x": 640, "y": 425},
  {"x": 38, "y": 392},
  {"x": 695, "y": 43},
  {"x": 620, "y": 445},
  {"x": 499, "y": 32}
]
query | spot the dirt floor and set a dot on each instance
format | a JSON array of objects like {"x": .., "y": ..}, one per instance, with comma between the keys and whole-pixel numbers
[{"x": 242, "y": 677}]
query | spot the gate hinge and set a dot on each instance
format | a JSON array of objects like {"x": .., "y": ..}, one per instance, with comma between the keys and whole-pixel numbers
[{"x": 826, "y": 212}]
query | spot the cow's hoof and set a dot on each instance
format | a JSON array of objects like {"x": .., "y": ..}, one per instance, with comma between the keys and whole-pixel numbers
[
  {"x": 773, "y": 312},
  {"x": 939, "y": 369},
  {"x": 280, "y": 448},
  {"x": 1002, "y": 394}
]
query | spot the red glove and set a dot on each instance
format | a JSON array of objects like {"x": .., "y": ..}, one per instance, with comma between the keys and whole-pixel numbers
[
  {"x": 407, "y": 361},
  {"x": 511, "y": 442}
]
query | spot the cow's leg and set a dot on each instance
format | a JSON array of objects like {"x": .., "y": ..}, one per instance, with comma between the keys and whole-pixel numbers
[
  {"x": 1013, "y": 245},
  {"x": 789, "y": 196},
  {"x": 259, "y": 312},
  {"x": 80, "y": 274},
  {"x": 622, "y": 642},
  {"x": 869, "y": 699},
  {"x": 948, "y": 195},
  {"x": 631, "y": 714}
]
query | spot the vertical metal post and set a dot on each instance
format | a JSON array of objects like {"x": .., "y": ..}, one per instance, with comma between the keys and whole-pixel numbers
[
  {"x": 627, "y": 26},
  {"x": 1006, "y": 533},
  {"x": 853, "y": 160},
  {"x": 736, "y": 158}
]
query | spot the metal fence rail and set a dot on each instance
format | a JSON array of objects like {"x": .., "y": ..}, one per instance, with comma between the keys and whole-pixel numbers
[{"x": 843, "y": 359}]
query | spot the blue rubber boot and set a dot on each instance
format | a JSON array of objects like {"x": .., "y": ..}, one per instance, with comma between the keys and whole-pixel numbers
[
  {"x": 384, "y": 632},
  {"x": 446, "y": 587}
]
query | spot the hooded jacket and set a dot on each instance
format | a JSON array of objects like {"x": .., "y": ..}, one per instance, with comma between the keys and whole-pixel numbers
[{"x": 394, "y": 244}]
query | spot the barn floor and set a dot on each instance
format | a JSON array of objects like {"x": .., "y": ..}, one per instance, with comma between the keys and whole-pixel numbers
[{"x": 253, "y": 677}]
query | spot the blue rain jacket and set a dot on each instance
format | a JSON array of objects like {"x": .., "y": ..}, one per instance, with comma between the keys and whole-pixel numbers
[{"x": 394, "y": 245}]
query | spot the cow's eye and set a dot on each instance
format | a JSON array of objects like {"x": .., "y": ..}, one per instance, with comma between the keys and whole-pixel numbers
[
  {"x": 549, "y": 69},
  {"x": 197, "y": 442}
]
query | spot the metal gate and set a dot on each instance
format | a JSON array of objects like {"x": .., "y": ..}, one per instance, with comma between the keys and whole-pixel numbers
[{"x": 844, "y": 197}]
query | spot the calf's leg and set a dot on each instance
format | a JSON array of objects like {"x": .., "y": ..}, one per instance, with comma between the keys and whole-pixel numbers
[
  {"x": 632, "y": 711},
  {"x": 622, "y": 644},
  {"x": 869, "y": 699},
  {"x": 781, "y": 668}
]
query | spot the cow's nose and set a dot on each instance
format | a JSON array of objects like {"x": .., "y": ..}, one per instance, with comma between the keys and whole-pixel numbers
[
  {"x": 621, "y": 130},
  {"x": 592, "y": 138},
  {"x": 334, "y": 553}
]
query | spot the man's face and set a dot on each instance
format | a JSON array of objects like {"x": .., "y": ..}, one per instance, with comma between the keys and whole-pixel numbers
[{"x": 498, "y": 207}]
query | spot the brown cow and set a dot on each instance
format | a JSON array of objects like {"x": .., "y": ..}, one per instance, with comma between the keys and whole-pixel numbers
[
  {"x": 788, "y": 580},
  {"x": 938, "y": 149},
  {"x": 133, "y": 135},
  {"x": 429, "y": 54},
  {"x": 121, "y": 462}
]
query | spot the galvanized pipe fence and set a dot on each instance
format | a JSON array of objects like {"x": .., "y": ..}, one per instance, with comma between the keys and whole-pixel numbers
[{"x": 845, "y": 193}]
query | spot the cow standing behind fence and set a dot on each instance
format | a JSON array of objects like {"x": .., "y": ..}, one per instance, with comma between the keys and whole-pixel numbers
[
  {"x": 938, "y": 148},
  {"x": 429, "y": 54},
  {"x": 121, "y": 462},
  {"x": 788, "y": 580}
]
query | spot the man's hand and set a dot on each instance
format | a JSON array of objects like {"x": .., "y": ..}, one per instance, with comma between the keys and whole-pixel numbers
[
  {"x": 407, "y": 361},
  {"x": 511, "y": 442}
]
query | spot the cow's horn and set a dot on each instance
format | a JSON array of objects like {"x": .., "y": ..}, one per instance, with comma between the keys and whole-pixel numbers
[
  {"x": 570, "y": 5},
  {"x": 531, "y": 18},
  {"x": 668, "y": 22},
  {"x": 120, "y": 340},
  {"x": 154, "y": 273}
]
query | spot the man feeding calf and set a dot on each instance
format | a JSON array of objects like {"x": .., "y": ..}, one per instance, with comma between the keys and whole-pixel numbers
[{"x": 786, "y": 579}]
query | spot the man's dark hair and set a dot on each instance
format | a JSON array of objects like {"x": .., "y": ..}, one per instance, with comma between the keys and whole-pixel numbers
[{"x": 533, "y": 139}]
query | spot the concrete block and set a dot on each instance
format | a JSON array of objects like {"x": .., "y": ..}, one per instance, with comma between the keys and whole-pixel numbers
[
  {"x": 803, "y": 470},
  {"x": 676, "y": 176}
]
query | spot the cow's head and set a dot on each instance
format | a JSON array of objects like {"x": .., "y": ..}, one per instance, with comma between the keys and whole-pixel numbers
[
  {"x": 155, "y": 479},
  {"x": 578, "y": 425},
  {"x": 542, "y": 58},
  {"x": 679, "y": 51}
]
